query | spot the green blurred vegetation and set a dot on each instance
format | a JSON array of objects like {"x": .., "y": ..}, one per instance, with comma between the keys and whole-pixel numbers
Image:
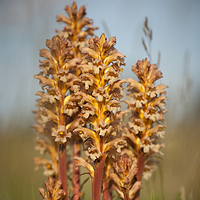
[
  {"x": 19, "y": 180},
  {"x": 177, "y": 176}
]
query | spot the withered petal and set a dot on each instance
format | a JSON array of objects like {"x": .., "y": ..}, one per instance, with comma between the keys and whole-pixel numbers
[
  {"x": 90, "y": 52},
  {"x": 81, "y": 13},
  {"x": 133, "y": 83},
  {"x": 113, "y": 57},
  {"x": 62, "y": 18},
  {"x": 87, "y": 132},
  {"x": 44, "y": 80},
  {"x": 86, "y": 165},
  {"x": 46, "y": 54},
  {"x": 137, "y": 185},
  {"x": 116, "y": 179},
  {"x": 112, "y": 41}
]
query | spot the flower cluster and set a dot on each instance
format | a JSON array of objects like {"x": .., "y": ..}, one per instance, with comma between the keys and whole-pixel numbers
[
  {"x": 77, "y": 27},
  {"x": 101, "y": 101},
  {"x": 147, "y": 106},
  {"x": 52, "y": 190},
  {"x": 58, "y": 105},
  {"x": 123, "y": 176}
]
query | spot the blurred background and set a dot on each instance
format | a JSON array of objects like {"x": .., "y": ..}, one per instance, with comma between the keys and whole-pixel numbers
[{"x": 24, "y": 27}]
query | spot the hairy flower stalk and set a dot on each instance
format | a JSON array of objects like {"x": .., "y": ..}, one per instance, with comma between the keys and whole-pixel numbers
[
  {"x": 107, "y": 191},
  {"x": 101, "y": 105},
  {"x": 145, "y": 126}
]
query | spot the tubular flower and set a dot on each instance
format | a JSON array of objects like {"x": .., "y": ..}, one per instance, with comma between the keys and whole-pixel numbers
[
  {"x": 77, "y": 28},
  {"x": 50, "y": 167},
  {"x": 147, "y": 106},
  {"x": 52, "y": 190},
  {"x": 123, "y": 176}
]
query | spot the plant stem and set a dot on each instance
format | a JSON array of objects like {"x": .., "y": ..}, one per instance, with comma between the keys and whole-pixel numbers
[
  {"x": 76, "y": 171},
  {"x": 126, "y": 192},
  {"x": 98, "y": 177},
  {"x": 107, "y": 195},
  {"x": 63, "y": 169},
  {"x": 139, "y": 174}
]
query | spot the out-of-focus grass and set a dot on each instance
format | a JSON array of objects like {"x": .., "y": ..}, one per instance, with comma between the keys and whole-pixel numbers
[
  {"x": 18, "y": 179},
  {"x": 177, "y": 176},
  {"x": 179, "y": 168}
]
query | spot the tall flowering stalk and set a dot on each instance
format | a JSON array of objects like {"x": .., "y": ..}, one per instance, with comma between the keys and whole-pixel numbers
[
  {"x": 100, "y": 75},
  {"x": 56, "y": 79},
  {"x": 77, "y": 29},
  {"x": 145, "y": 126}
]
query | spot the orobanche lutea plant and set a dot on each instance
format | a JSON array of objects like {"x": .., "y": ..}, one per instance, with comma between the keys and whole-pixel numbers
[{"x": 79, "y": 116}]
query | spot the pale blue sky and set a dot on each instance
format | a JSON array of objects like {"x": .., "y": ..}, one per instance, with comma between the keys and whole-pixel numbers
[{"x": 26, "y": 24}]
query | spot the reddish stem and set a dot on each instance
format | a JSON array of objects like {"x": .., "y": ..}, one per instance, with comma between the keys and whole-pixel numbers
[
  {"x": 126, "y": 192},
  {"x": 76, "y": 171},
  {"x": 98, "y": 178},
  {"x": 139, "y": 174},
  {"x": 107, "y": 195},
  {"x": 63, "y": 168}
]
